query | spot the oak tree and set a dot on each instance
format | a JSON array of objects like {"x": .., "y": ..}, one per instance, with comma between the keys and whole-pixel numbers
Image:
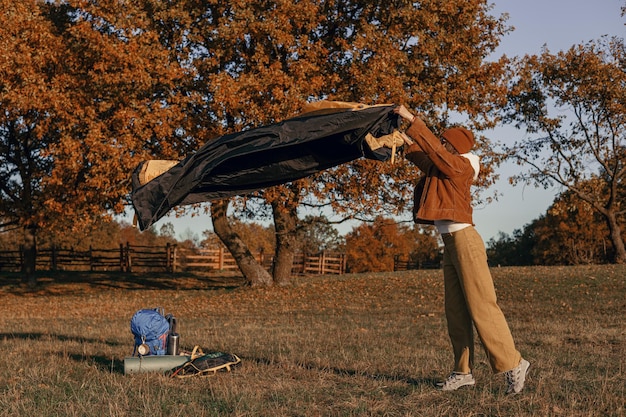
[
  {"x": 259, "y": 62},
  {"x": 574, "y": 102},
  {"x": 317, "y": 234},
  {"x": 372, "y": 247},
  {"x": 571, "y": 233},
  {"x": 87, "y": 90}
]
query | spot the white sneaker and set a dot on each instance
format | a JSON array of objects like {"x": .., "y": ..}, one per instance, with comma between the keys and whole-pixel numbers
[
  {"x": 516, "y": 377},
  {"x": 455, "y": 381}
]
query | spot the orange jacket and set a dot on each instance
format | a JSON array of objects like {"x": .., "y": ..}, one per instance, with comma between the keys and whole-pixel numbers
[{"x": 448, "y": 178}]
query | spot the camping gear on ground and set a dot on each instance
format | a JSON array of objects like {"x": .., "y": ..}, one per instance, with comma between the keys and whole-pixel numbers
[
  {"x": 153, "y": 363},
  {"x": 151, "y": 329},
  {"x": 196, "y": 363},
  {"x": 173, "y": 339},
  {"x": 157, "y": 344},
  {"x": 205, "y": 364}
]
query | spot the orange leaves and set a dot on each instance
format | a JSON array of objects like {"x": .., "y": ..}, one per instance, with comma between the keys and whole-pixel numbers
[
  {"x": 28, "y": 56},
  {"x": 95, "y": 94},
  {"x": 372, "y": 247},
  {"x": 114, "y": 83},
  {"x": 560, "y": 97}
]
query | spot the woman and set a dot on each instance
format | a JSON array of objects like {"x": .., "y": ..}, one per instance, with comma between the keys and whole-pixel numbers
[{"x": 449, "y": 170}]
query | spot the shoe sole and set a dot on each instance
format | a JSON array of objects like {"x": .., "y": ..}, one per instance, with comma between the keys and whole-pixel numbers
[{"x": 468, "y": 385}]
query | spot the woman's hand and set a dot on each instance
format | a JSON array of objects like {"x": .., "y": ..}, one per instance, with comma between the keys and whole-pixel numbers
[
  {"x": 404, "y": 113},
  {"x": 407, "y": 140}
]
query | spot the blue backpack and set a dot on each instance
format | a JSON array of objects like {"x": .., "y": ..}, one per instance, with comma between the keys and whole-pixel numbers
[{"x": 151, "y": 329}]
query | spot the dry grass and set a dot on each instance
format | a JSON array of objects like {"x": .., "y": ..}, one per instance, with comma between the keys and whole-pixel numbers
[{"x": 355, "y": 345}]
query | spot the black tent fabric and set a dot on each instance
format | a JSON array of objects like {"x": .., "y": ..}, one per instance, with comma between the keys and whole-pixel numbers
[{"x": 247, "y": 161}]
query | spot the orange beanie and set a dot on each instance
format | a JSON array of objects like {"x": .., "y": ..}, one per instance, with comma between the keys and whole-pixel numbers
[{"x": 460, "y": 138}]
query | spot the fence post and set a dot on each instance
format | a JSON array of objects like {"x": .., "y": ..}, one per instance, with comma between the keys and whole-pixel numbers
[
  {"x": 129, "y": 258},
  {"x": 306, "y": 258},
  {"x": 122, "y": 266},
  {"x": 174, "y": 257},
  {"x": 399, "y": 264},
  {"x": 221, "y": 259},
  {"x": 91, "y": 262},
  {"x": 53, "y": 258},
  {"x": 168, "y": 263},
  {"x": 320, "y": 268},
  {"x": 170, "y": 253},
  {"x": 22, "y": 258}
]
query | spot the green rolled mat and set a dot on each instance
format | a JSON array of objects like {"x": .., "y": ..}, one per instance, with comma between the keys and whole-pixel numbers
[{"x": 153, "y": 363}]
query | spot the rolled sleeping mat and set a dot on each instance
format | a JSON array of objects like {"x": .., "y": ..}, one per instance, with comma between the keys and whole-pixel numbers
[{"x": 153, "y": 363}]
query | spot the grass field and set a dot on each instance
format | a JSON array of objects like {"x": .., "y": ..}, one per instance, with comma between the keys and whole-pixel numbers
[{"x": 352, "y": 345}]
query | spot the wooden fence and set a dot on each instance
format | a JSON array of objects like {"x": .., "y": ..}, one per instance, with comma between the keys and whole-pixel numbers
[
  {"x": 169, "y": 258},
  {"x": 221, "y": 259},
  {"x": 125, "y": 258},
  {"x": 207, "y": 259},
  {"x": 400, "y": 264}
]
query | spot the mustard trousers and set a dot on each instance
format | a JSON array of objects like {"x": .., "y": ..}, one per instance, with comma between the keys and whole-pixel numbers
[{"x": 470, "y": 297}]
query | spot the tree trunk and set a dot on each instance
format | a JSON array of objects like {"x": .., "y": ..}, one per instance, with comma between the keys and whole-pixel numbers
[
  {"x": 30, "y": 256},
  {"x": 252, "y": 271},
  {"x": 616, "y": 238},
  {"x": 285, "y": 223}
]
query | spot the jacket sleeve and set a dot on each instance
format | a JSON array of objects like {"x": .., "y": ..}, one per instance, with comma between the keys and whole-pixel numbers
[
  {"x": 428, "y": 151},
  {"x": 416, "y": 155}
]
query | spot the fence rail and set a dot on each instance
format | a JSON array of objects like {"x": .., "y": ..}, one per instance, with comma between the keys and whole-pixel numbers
[
  {"x": 11, "y": 260},
  {"x": 221, "y": 259},
  {"x": 400, "y": 264},
  {"x": 169, "y": 258}
]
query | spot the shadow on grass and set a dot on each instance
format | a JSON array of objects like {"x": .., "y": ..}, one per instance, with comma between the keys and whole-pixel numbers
[
  {"x": 72, "y": 282},
  {"x": 57, "y": 337},
  {"x": 116, "y": 366},
  {"x": 429, "y": 382},
  {"x": 105, "y": 364}
]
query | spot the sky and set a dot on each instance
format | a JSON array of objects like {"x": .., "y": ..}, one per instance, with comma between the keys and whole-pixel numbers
[
  {"x": 555, "y": 24},
  {"x": 559, "y": 25}
]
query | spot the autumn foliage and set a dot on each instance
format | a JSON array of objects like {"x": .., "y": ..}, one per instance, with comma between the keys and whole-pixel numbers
[
  {"x": 574, "y": 104},
  {"x": 571, "y": 232},
  {"x": 372, "y": 247},
  {"x": 89, "y": 89},
  {"x": 261, "y": 62}
]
